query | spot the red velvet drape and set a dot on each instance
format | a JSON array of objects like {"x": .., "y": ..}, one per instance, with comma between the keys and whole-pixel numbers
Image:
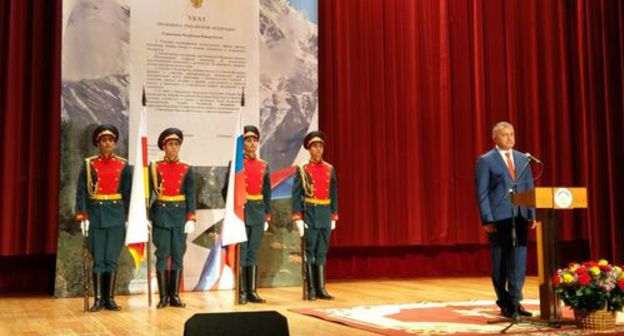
[
  {"x": 411, "y": 89},
  {"x": 30, "y": 89}
]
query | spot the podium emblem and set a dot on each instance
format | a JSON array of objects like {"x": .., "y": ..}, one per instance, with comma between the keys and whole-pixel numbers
[{"x": 563, "y": 198}]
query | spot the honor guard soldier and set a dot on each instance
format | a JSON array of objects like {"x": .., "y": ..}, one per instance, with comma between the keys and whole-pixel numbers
[
  {"x": 315, "y": 212},
  {"x": 102, "y": 203},
  {"x": 172, "y": 212},
  {"x": 257, "y": 213}
]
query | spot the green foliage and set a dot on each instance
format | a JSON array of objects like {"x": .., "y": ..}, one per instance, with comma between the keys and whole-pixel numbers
[{"x": 588, "y": 298}]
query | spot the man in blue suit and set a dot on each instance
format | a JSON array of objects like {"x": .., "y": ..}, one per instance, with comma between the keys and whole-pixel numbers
[{"x": 497, "y": 174}]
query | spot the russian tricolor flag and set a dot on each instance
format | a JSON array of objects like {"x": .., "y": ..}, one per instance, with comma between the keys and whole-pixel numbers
[
  {"x": 220, "y": 267},
  {"x": 233, "y": 229}
]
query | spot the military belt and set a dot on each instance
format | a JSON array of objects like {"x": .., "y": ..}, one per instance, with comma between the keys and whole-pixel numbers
[
  {"x": 258, "y": 197},
  {"x": 318, "y": 201},
  {"x": 176, "y": 198},
  {"x": 105, "y": 197}
]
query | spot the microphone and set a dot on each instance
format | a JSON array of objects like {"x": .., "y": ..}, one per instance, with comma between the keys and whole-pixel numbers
[{"x": 532, "y": 158}]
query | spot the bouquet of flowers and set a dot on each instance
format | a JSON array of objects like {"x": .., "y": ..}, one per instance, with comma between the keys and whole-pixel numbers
[{"x": 591, "y": 286}]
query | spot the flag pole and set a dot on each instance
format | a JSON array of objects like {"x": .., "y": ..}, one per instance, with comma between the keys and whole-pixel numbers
[
  {"x": 149, "y": 235},
  {"x": 149, "y": 264},
  {"x": 237, "y": 249},
  {"x": 237, "y": 275},
  {"x": 85, "y": 274}
]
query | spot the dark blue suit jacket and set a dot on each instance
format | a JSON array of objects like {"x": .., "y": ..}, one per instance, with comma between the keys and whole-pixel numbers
[{"x": 493, "y": 181}]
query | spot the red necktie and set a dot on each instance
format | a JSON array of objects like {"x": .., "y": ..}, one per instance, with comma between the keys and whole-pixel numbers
[{"x": 512, "y": 169}]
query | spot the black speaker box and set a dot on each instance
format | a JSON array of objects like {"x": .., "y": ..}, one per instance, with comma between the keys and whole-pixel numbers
[{"x": 269, "y": 323}]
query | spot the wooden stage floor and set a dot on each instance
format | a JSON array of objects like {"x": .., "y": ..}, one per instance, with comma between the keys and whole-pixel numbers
[{"x": 49, "y": 316}]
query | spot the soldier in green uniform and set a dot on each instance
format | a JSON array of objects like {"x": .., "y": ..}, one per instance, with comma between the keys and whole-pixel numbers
[
  {"x": 315, "y": 211},
  {"x": 257, "y": 213},
  {"x": 102, "y": 203},
  {"x": 172, "y": 213}
]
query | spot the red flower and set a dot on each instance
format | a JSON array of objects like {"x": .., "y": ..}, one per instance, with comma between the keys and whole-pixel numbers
[
  {"x": 572, "y": 264},
  {"x": 605, "y": 268},
  {"x": 590, "y": 264},
  {"x": 621, "y": 284},
  {"x": 581, "y": 270},
  {"x": 556, "y": 280},
  {"x": 584, "y": 279}
]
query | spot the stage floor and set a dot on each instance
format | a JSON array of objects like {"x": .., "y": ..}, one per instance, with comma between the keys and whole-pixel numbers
[{"x": 49, "y": 316}]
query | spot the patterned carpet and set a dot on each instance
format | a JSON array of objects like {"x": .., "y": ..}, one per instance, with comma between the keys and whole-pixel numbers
[{"x": 443, "y": 318}]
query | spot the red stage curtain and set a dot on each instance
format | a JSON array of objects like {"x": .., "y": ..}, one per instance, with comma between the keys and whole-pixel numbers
[
  {"x": 426, "y": 261},
  {"x": 30, "y": 89},
  {"x": 410, "y": 90}
]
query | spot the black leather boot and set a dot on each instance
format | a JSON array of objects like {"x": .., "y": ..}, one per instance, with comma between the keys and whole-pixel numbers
[
  {"x": 252, "y": 295},
  {"x": 163, "y": 292},
  {"x": 98, "y": 304},
  {"x": 320, "y": 283},
  {"x": 110, "y": 280},
  {"x": 242, "y": 285},
  {"x": 311, "y": 282},
  {"x": 174, "y": 289}
]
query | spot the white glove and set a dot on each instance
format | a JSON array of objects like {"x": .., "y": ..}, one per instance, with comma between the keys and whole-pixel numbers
[
  {"x": 189, "y": 227},
  {"x": 333, "y": 225},
  {"x": 266, "y": 226},
  {"x": 299, "y": 223},
  {"x": 84, "y": 227}
]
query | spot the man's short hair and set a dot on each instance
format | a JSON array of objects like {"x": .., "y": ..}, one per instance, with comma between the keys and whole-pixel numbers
[{"x": 499, "y": 126}]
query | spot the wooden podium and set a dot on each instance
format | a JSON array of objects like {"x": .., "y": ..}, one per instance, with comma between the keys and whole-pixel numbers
[{"x": 546, "y": 200}]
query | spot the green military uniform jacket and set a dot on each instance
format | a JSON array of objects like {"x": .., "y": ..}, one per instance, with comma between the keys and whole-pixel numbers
[{"x": 92, "y": 202}]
